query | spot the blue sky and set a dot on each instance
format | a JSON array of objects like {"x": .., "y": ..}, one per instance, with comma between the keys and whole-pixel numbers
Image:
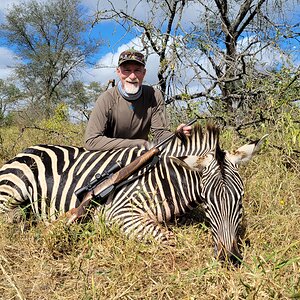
[{"x": 115, "y": 41}]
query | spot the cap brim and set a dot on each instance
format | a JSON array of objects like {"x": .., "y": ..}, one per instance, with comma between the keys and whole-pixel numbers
[{"x": 130, "y": 60}]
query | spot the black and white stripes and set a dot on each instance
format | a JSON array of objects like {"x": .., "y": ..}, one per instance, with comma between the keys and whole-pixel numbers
[{"x": 190, "y": 171}]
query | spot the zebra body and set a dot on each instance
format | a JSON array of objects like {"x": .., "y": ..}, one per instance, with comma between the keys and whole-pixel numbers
[{"x": 190, "y": 171}]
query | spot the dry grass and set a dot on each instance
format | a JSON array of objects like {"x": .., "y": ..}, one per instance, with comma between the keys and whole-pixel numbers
[{"x": 88, "y": 261}]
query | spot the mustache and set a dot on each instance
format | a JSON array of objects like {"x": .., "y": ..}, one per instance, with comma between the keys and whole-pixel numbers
[{"x": 132, "y": 81}]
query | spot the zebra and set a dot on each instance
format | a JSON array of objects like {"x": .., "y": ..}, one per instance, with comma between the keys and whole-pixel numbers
[{"x": 191, "y": 171}]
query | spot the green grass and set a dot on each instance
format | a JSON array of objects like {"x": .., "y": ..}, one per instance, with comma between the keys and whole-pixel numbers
[{"x": 90, "y": 261}]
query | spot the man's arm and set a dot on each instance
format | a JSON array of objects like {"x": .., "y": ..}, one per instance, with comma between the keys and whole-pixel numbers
[{"x": 94, "y": 135}]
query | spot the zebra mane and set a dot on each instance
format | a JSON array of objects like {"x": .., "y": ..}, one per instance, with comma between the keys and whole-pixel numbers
[{"x": 200, "y": 142}]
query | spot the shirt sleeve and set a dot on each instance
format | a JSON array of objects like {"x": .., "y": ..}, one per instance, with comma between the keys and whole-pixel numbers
[
  {"x": 95, "y": 138},
  {"x": 159, "y": 121}
]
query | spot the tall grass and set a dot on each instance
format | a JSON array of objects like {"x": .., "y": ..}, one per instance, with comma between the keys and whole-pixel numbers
[{"x": 90, "y": 261}]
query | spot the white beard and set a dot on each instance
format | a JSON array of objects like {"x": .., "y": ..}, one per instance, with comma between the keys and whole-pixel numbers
[{"x": 131, "y": 88}]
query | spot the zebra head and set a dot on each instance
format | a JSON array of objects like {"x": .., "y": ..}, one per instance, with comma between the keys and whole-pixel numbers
[{"x": 221, "y": 187}]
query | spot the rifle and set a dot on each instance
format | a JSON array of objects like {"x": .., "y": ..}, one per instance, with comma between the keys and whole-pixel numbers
[{"x": 103, "y": 185}]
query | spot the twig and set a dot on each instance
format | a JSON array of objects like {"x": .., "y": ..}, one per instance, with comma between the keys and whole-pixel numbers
[
  {"x": 10, "y": 279},
  {"x": 46, "y": 130},
  {"x": 297, "y": 152}
]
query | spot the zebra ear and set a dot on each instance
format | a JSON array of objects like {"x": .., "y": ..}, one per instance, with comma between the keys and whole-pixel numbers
[
  {"x": 192, "y": 162},
  {"x": 246, "y": 152}
]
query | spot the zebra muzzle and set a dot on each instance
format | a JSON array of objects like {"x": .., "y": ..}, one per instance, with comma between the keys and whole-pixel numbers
[{"x": 232, "y": 255}]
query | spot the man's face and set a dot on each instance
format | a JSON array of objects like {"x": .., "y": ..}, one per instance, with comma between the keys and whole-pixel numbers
[{"x": 131, "y": 75}]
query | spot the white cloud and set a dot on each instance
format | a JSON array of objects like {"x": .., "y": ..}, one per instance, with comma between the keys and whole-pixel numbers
[
  {"x": 266, "y": 56},
  {"x": 135, "y": 8},
  {"x": 106, "y": 69},
  {"x": 8, "y": 61},
  {"x": 106, "y": 66},
  {"x": 5, "y": 4}
]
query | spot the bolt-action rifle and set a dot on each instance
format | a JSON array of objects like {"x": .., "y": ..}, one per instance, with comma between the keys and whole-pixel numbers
[{"x": 105, "y": 184}]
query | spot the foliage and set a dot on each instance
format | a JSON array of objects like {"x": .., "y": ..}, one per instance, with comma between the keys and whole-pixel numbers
[
  {"x": 214, "y": 58},
  {"x": 218, "y": 63},
  {"x": 9, "y": 96},
  {"x": 56, "y": 130},
  {"x": 48, "y": 37},
  {"x": 58, "y": 121},
  {"x": 82, "y": 97}
]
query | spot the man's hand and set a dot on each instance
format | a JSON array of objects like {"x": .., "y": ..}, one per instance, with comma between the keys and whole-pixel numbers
[
  {"x": 147, "y": 145},
  {"x": 186, "y": 130}
]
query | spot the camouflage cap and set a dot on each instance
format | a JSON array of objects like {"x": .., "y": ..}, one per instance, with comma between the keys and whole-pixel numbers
[{"x": 131, "y": 55}]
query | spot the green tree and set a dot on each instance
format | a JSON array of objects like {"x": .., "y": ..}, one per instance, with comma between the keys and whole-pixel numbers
[
  {"x": 49, "y": 39},
  {"x": 82, "y": 98},
  {"x": 9, "y": 96},
  {"x": 212, "y": 59}
]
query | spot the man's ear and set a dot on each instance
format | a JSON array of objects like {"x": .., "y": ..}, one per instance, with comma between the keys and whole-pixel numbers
[
  {"x": 246, "y": 152},
  {"x": 193, "y": 162}
]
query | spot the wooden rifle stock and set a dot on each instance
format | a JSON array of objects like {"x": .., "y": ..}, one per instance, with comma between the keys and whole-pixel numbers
[{"x": 106, "y": 186}]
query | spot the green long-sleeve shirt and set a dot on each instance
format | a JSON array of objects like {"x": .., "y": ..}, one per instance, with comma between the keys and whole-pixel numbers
[{"x": 116, "y": 123}]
